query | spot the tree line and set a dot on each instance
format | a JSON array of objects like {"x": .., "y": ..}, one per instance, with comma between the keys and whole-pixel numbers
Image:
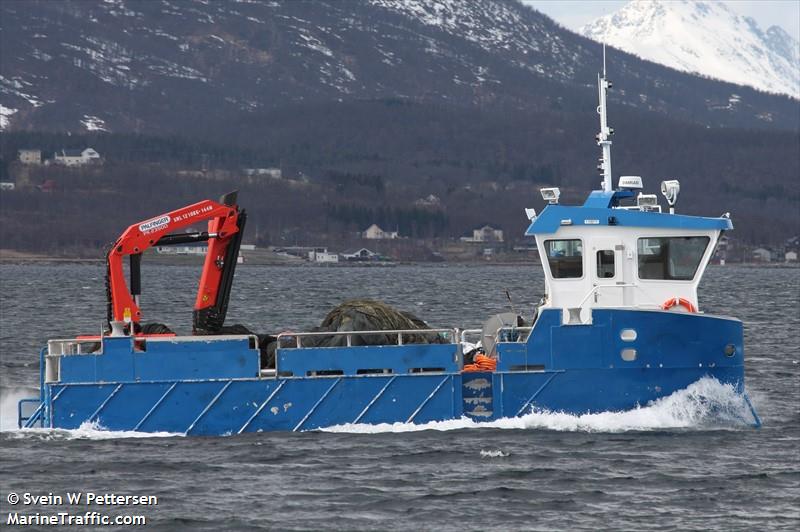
[{"x": 370, "y": 161}]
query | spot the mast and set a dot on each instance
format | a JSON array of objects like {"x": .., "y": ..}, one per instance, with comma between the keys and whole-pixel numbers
[{"x": 605, "y": 132}]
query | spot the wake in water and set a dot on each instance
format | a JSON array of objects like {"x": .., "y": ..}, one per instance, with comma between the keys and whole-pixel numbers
[
  {"x": 87, "y": 431},
  {"x": 703, "y": 404}
]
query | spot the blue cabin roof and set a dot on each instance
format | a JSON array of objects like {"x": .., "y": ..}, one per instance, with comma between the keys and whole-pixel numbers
[{"x": 599, "y": 209}]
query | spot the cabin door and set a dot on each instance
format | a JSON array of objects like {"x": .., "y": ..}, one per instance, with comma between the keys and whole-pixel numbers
[{"x": 606, "y": 270}]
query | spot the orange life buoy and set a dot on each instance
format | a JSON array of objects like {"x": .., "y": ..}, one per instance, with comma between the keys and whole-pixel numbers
[{"x": 675, "y": 301}]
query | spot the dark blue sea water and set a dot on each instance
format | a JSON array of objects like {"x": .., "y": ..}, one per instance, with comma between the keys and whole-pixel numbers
[{"x": 685, "y": 463}]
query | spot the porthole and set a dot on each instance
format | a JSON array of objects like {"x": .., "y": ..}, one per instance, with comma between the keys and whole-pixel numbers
[
  {"x": 730, "y": 350},
  {"x": 628, "y": 355},
  {"x": 628, "y": 335}
]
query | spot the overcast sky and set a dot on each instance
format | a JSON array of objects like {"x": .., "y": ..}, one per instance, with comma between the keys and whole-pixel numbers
[{"x": 575, "y": 13}]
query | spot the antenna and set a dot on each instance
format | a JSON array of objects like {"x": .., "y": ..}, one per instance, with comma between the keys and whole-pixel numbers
[
  {"x": 605, "y": 132},
  {"x": 508, "y": 296},
  {"x": 604, "y": 59}
]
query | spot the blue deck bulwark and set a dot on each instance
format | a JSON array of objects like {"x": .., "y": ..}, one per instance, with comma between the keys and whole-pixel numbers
[
  {"x": 163, "y": 359},
  {"x": 214, "y": 387}
]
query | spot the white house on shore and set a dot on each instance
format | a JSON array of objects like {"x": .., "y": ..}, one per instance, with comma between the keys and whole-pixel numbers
[
  {"x": 486, "y": 233},
  {"x": 76, "y": 157},
  {"x": 362, "y": 254},
  {"x": 30, "y": 156},
  {"x": 271, "y": 173},
  {"x": 321, "y": 255},
  {"x": 199, "y": 251},
  {"x": 373, "y": 232},
  {"x": 762, "y": 255}
]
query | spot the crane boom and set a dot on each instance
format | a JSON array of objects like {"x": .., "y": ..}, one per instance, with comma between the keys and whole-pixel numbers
[{"x": 225, "y": 228}]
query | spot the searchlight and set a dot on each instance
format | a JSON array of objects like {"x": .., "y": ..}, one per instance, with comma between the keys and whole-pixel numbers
[
  {"x": 550, "y": 195},
  {"x": 670, "y": 190}
]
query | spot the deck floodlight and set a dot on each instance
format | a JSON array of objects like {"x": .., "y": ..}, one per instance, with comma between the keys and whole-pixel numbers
[
  {"x": 648, "y": 203},
  {"x": 530, "y": 213},
  {"x": 646, "y": 200},
  {"x": 550, "y": 195},
  {"x": 671, "y": 189}
]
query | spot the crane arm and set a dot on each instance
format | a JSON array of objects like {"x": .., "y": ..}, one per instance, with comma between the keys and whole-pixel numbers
[{"x": 225, "y": 228}]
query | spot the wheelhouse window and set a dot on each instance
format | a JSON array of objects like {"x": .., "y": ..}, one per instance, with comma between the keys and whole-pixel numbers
[
  {"x": 605, "y": 264},
  {"x": 671, "y": 258},
  {"x": 565, "y": 258}
]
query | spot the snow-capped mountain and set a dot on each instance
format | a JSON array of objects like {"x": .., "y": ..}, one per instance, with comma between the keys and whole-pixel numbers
[
  {"x": 707, "y": 38},
  {"x": 149, "y": 66}
]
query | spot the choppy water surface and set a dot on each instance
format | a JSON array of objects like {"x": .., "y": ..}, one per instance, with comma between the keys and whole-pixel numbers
[{"x": 686, "y": 462}]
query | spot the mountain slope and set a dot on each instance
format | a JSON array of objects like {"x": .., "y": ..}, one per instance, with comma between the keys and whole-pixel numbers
[
  {"x": 705, "y": 38},
  {"x": 367, "y": 107},
  {"x": 196, "y": 66}
]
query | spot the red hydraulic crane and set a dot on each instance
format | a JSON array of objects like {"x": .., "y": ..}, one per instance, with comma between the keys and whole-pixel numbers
[{"x": 224, "y": 235}]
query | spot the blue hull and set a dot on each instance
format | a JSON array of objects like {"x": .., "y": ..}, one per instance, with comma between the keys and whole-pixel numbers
[{"x": 214, "y": 386}]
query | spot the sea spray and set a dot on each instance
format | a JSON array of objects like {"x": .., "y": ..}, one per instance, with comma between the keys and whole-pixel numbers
[
  {"x": 86, "y": 431},
  {"x": 9, "y": 399}
]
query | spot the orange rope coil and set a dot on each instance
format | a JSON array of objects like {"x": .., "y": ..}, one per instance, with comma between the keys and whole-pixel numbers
[{"x": 481, "y": 363}]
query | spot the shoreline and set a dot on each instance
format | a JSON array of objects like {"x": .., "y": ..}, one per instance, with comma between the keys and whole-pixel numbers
[
  {"x": 13, "y": 256},
  {"x": 8, "y": 256}
]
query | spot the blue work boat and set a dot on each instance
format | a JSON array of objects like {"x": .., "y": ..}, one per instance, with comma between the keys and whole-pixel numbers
[{"x": 620, "y": 326}]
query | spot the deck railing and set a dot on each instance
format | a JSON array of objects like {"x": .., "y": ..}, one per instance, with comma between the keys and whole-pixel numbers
[
  {"x": 448, "y": 334},
  {"x": 497, "y": 333},
  {"x": 573, "y": 315}
]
